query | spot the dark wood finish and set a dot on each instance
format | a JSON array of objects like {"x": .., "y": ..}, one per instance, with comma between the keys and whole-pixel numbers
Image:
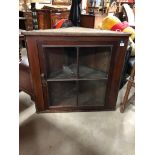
[
  {"x": 130, "y": 84},
  {"x": 91, "y": 21},
  {"x": 21, "y": 39},
  {"x": 57, "y": 15},
  {"x": 25, "y": 80},
  {"x": 87, "y": 21},
  {"x": 70, "y": 95}
]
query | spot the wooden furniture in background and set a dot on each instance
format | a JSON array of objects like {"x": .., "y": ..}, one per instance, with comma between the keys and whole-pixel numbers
[
  {"x": 28, "y": 21},
  {"x": 130, "y": 84},
  {"x": 56, "y": 15},
  {"x": 91, "y": 21},
  {"x": 76, "y": 69},
  {"x": 44, "y": 21},
  {"x": 25, "y": 20},
  {"x": 46, "y": 18}
]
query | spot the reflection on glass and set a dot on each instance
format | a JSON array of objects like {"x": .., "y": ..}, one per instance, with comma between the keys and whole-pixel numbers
[
  {"x": 91, "y": 92},
  {"x": 62, "y": 93},
  {"x": 77, "y": 76},
  {"x": 94, "y": 62},
  {"x": 61, "y": 63}
]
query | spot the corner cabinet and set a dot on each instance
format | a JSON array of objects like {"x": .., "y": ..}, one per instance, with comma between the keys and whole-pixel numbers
[{"x": 76, "y": 69}]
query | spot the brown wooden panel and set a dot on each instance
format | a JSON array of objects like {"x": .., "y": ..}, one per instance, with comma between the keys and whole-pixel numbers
[
  {"x": 87, "y": 21},
  {"x": 116, "y": 67},
  {"x": 35, "y": 72}
]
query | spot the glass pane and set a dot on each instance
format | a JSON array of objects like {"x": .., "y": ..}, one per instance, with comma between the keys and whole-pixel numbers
[
  {"x": 92, "y": 92},
  {"x": 61, "y": 62},
  {"x": 62, "y": 93},
  {"x": 94, "y": 62}
]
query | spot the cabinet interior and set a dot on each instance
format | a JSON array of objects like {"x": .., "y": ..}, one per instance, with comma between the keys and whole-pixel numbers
[{"x": 76, "y": 76}]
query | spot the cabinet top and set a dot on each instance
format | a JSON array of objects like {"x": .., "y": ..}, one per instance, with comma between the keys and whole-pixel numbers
[{"x": 74, "y": 31}]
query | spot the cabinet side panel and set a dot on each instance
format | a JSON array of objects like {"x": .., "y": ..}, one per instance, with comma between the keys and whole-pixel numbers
[
  {"x": 35, "y": 71},
  {"x": 116, "y": 67}
]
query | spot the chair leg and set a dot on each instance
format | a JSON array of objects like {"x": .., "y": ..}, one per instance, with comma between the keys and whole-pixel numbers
[
  {"x": 130, "y": 84},
  {"x": 126, "y": 96}
]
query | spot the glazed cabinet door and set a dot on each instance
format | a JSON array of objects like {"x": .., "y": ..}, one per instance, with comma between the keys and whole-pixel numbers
[{"x": 75, "y": 77}]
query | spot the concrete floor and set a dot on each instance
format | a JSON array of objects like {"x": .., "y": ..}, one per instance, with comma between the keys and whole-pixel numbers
[{"x": 77, "y": 133}]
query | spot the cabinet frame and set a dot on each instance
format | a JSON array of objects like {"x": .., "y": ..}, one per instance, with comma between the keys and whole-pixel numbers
[{"x": 116, "y": 65}]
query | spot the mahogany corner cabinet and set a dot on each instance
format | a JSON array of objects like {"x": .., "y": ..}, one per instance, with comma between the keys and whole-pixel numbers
[{"x": 76, "y": 69}]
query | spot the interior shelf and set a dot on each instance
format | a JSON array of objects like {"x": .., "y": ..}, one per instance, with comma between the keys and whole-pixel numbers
[
  {"x": 91, "y": 93},
  {"x": 87, "y": 72},
  {"x": 73, "y": 72}
]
